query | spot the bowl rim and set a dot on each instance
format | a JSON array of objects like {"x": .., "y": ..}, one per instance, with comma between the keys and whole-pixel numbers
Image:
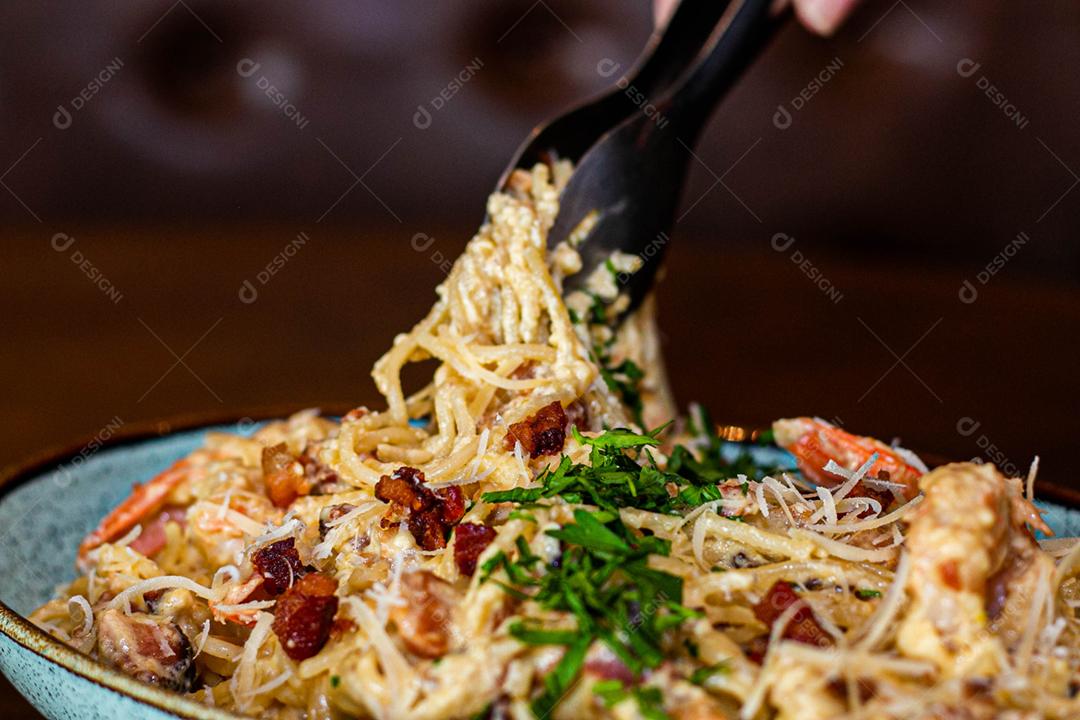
[
  {"x": 25, "y": 634},
  {"x": 32, "y": 638}
]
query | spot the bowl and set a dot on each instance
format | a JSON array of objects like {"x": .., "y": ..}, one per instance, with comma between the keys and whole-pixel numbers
[{"x": 48, "y": 504}]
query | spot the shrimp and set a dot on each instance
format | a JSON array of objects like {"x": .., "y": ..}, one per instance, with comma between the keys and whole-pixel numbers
[
  {"x": 144, "y": 502},
  {"x": 225, "y": 610},
  {"x": 814, "y": 442},
  {"x": 975, "y": 568}
]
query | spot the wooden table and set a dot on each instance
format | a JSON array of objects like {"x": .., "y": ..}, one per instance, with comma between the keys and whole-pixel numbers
[{"x": 890, "y": 350}]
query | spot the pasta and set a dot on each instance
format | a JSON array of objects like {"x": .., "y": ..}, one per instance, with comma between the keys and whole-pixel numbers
[{"x": 520, "y": 537}]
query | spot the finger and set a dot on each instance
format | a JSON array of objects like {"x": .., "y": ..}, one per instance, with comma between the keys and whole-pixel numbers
[
  {"x": 662, "y": 10},
  {"x": 824, "y": 16}
]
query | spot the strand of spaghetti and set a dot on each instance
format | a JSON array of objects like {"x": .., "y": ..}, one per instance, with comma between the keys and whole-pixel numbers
[
  {"x": 367, "y": 441},
  {"x": 387, "y": 376},
  {"x": 444, "y": 467},
  {"x": 844, "y": 551},
  {"x": 769, "y": 543},
  {"x": 479, "y": 404},
  {"x": 463, "y": 419},
  {"x": 419, "y": 403},
  {"x": 523, "y": 285},
  {"x": 355, "y": 472},
  {"x": 572, "y": 353},
  {"x": 402, "y": 455},
  {"x": 517, "y": 351},
  {"x": 742, "y": 580},
  {"x": 472, "y": 370},
  {"x": 387, "y": 370}
]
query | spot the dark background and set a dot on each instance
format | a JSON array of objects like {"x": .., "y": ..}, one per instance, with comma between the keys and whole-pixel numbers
[{"x": 175, "y": 178}]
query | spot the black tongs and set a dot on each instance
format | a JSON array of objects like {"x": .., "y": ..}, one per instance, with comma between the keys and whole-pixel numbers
[{"x": 631, "y": 147}]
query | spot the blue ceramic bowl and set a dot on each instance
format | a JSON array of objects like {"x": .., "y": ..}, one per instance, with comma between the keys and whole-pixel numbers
[{"x": 48, "y": 505}]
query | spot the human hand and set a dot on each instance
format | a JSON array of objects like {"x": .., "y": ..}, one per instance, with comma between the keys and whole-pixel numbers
[{"x": 820, "y": 16}]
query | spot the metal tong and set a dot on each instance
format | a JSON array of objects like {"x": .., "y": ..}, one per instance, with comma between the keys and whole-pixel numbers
[{"x": 630, "y": 165}]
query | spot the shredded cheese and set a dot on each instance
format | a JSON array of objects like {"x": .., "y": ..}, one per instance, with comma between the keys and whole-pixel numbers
[
  {"x": 200, "y": 641},
  {"x": 243, "y": 679},
  {"x": 1032, "y": 472},
  {"x": 123, "y": 599},
  {"x": 828, "y": 506},
  {"x": 889, "y": 607},
  {"x": 87, "y": 612},
  {"x": 834, "y": 529},
  {"x": 844, "y": 550}
]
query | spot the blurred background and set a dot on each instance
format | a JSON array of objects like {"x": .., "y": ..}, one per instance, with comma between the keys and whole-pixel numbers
[{"x": 210, "y": 206}]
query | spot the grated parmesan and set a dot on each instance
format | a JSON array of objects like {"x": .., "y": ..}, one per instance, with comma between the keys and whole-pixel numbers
[
  {"x": 200, "y": 641},
  {"x": 833, "y": 528},
  {"x": 123, "y": 599},
  {"x": 78, "y": 601}
]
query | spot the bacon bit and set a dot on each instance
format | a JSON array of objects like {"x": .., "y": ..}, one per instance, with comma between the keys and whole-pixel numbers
[
  {"x": 318, "y": 476},
  {"x": 882, "y": 496},
  {"x": 470, "y": 540},
  {"x": 342, "y": 626},
  {"x": 803, "y": 628},
  {"x": 329, "y": 514},
  {"x": 279, "y": 565},
  {"x": 950, "y": 574},
  {"x": 283, "y": 483},
  {"x": 577, "y": 414},
  {"x": 603, "y": 664},
  {"x": 757, "y": 648},
  {"x": 355, "y": 414},
  {"x": 541, "y": 434},
  {"x": 424, "y": 621},
  {"x": 152, "y": 538},
  {"x": 304, "y": 615},
  {"x": 430, "y": 514}
]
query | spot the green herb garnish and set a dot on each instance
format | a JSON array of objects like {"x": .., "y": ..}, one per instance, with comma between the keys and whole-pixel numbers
[
  {"x": 602, "y": 578},
  {"x": 621, "y": 472},
  {"x": 699, "y": 676},
  {"x": 649, "y": 699}
]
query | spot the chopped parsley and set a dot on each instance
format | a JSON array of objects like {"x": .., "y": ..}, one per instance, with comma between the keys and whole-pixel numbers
[
  {"x": 603, "y": 580},
  {"x": 624, "y": 380},
  {"x": 335, "y": 680},
  {"x": 602, "y": 577},
  {"x": 649, "y": 700},
  {"x": 621, "y": 472},
  {"x": 867, "y": 594},
  {"x": 699, "y": 676}
]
